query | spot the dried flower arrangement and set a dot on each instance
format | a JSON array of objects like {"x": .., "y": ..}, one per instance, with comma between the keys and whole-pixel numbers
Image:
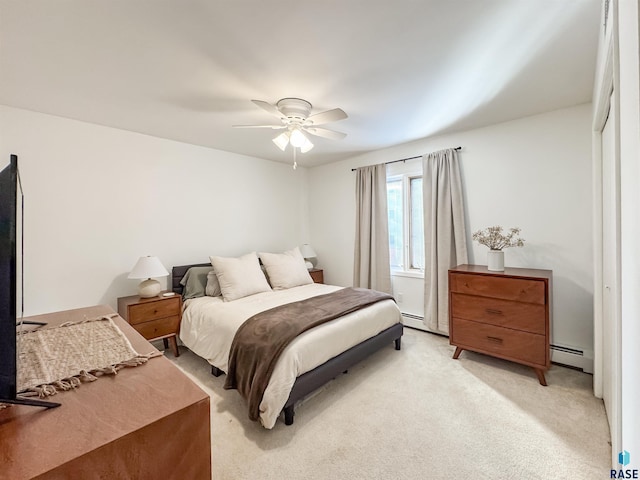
[{"x": 493, "y": 238}]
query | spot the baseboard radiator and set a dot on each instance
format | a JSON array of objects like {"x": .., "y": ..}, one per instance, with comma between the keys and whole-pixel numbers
[
  {"x": 572, "y": 357},
  {"x": 414, "y": 321},
  {"x": 559, "y": 354}
]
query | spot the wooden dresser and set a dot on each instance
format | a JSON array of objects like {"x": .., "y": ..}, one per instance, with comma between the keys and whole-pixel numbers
[
  {"x": 149, "y": 421},
  {"x": 503, "y": 314}
]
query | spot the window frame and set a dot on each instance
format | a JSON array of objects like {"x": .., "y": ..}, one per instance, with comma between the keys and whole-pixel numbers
[
  {"x": 409, "y": 226},
  {"x": 406, "y": 270},
  {"x": 394, "y": 179}
]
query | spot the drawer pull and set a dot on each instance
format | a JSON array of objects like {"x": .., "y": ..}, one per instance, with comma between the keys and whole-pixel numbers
[
  {"x": 494, "y": 339},
  {"x": 493, "y": 311}
]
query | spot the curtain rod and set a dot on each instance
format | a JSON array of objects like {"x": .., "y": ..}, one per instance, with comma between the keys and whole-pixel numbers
[{"x": 405, "y": 159}]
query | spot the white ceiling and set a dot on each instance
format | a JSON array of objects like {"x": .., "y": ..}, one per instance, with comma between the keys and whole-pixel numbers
[{"x": 402, "y": 70}]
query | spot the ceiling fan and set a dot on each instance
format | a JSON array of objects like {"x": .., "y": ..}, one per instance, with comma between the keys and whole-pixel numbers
[{"x": 296, "y": 119}]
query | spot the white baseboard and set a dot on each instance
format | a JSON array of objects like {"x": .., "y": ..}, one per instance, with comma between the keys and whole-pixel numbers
[
  {"x": 572, "y": 357},
  {"x": 414, "y": 321}
]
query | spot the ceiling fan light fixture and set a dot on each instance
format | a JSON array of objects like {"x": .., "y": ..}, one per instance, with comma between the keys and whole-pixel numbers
[
  {"x": 298, "y": 123},
  {"x": 297, "y": 138},
  {"x": 306, "y": 146},
  {"x": 282, "y": 140}
]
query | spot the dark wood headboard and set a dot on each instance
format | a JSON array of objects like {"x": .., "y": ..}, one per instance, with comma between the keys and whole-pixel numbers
[{"x": 178, "y": 272}]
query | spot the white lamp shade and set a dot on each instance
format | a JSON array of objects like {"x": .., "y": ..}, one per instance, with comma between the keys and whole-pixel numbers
[
  {"x": 282, "y": 140},
  {"x": 307, "y": 251},
  {"x": 306, "y": 146},
  {"x": 148, "y": 267},
  {"x": 297, "y": 138}
]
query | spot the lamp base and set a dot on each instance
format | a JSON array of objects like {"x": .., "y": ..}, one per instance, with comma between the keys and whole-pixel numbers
[
  {"x": 308, "y": 264},
  {"x": 149, "y": 288}
]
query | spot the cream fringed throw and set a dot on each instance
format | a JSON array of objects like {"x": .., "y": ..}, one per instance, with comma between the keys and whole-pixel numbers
[{"x": 61, "y": 358}]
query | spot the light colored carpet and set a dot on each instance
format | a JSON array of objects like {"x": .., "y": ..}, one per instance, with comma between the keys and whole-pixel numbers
[{"x": 417, "y": 414}]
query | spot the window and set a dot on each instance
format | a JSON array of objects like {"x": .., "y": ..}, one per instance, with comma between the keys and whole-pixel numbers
[
  {"x": 406, "y": 223},
  {"x": 396, "y": 224},
  {"x": 416, "y": 224}
]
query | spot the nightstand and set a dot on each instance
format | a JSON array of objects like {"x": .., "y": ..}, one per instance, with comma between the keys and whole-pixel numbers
[
  {"x": 317, "y": 274},
  {"x": 154, "y": 318}
]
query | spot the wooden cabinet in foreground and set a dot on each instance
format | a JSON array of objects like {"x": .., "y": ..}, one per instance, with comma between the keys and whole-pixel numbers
[
  {"x": 146, "y": 422},
  {"x": 503, "y": 314}
]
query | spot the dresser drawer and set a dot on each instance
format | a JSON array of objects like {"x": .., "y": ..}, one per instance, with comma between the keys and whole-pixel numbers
[
  {"x": 144, "y": 312},
  {"x": 159, "y": 328},
  {"x": 507, "y": 288},
  {"x": 503, "y": 342},
  {"x": 529, "y": 317}
]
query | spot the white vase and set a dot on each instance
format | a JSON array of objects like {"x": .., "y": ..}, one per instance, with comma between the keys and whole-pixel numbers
[{"x": 495, "y": 260}]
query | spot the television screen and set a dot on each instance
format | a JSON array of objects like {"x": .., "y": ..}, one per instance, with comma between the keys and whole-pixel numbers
[
  {"x": 11, "y": 282},
  {"x": 8, "y": 278}
]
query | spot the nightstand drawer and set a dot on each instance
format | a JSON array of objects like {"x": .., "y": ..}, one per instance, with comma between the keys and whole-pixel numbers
[
  {"x": 159, "y": 328},
  {"x": 503, "y": 342},
  {"x": 520, "y": 289},
  {"x": 529, "y": 317},
  {"x": 144, "y": 312}
]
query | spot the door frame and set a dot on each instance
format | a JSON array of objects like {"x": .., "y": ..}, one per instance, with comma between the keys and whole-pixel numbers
[{"x": 607, "y": 86}]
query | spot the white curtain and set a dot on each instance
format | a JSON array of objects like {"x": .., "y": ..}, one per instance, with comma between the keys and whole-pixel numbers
[
  {"x": 371, "y": 267},
  {"x": 444, "y": 232}
]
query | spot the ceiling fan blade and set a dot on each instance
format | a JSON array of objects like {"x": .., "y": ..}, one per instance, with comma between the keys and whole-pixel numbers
[
  {"x": 325, "y": 132},
  {"x": 273, "y": 127},
  {"x": 327, "y": 117},
  {"x": 269, "y": 108}
]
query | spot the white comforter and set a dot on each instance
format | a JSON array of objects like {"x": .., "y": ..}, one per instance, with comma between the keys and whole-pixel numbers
[{"x": 209, "y": 325}]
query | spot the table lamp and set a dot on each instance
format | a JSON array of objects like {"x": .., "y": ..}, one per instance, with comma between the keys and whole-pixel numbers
[
  {"x": 148, "y": 267},
  {"x": 308, "y": 253}
]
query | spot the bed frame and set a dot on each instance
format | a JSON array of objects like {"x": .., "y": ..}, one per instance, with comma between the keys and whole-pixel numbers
[{"x": 310, "y": 381}]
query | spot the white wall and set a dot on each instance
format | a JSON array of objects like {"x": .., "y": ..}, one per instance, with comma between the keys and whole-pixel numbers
[
  {"x": 97, "y": 198},
  {"x": 534, "y": 173}
]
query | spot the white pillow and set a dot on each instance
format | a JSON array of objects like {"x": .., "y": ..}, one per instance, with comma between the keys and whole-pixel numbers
[
  {"x": 213, "y": 286},
  {"x": 239, "y": 277},
  {"x": 286, "y": 270}
]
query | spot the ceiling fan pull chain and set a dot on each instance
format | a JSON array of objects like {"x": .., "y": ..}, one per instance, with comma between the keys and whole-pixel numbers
[{"x": 295, "y": 164}]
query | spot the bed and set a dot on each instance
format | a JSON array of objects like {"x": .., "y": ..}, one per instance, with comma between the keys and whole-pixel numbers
[{"x": 310, "y": 361}]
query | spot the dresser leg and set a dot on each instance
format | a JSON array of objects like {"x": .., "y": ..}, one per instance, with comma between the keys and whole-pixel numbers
[
  {"x": 173, "y": 341},
  {"x": 540, "y": 374},
  {"x": 457, "y": 353}
]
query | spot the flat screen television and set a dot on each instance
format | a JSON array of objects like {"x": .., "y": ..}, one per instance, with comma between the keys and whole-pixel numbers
[{"x": 11, "y": 254}]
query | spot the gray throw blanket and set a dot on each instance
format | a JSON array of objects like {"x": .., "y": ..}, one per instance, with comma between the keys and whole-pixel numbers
[{"x": 261, "y": 339}]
